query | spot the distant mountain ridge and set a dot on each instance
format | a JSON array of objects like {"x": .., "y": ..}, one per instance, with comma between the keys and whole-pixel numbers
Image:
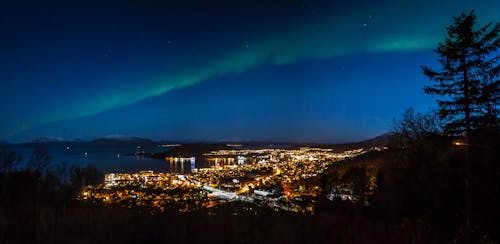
[
  {"x": 48, "y": 139},
  {"x": 121, "y": 140},
  {"x": 378, "y": 141}
]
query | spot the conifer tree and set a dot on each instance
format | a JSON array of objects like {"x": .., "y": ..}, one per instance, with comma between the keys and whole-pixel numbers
[{"x": 467, "y": 82}]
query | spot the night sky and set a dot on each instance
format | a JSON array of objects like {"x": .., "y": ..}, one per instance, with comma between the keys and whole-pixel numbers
[{"x": 315, "y": 71}]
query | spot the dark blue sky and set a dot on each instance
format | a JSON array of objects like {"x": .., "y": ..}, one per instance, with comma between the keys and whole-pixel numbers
[{"x": 325, "y": 71}]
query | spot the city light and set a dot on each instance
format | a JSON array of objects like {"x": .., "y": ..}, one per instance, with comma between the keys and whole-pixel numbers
[{"x": 270, "y": 177}]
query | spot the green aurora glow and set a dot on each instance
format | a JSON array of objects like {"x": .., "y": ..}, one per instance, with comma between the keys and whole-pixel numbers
[{"x": 333, "y": 35}]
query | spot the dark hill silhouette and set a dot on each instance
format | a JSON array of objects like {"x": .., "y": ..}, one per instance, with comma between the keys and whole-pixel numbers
[
  {"x": 191, "y": 150},
  {"x": 379, "y": 141},
  {"x": 198, "y": 149}
]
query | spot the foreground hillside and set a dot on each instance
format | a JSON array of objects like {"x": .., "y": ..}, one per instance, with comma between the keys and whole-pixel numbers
[{"x": 414, "y": 194}]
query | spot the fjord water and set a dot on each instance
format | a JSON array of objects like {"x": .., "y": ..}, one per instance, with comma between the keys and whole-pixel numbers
[{"x": 106, "y": 158}]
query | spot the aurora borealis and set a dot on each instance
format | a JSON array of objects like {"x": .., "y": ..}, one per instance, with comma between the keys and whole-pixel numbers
[{"x": 218, "y": 70}]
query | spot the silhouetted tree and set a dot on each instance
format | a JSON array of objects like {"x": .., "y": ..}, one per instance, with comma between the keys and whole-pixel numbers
[
  {"x": 76, "y": 177},
  {"x": 92, "y": 175},
  {"x": 467, "y": 84},
  {"x": 414, "y": 127},
  {"x": 88, "y": 175},
  {"x": 40, "y": 159},
  {"x": 9, "y": 160},
  {"x": 61, "y": 172},
  {"x": 39, "y": 162},
  {"x": 490, "y": 100},
  {"x": 469, "y": 60}
]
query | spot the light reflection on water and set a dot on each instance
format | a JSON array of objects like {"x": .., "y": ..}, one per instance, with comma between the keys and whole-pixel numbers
[
  {"x": 120, "y": 159},
  {"x": 181, "y": 165}
]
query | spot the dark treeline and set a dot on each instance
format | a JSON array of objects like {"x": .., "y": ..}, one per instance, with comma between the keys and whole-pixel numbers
[
  {"x": 35, "y": 195},
  {"x": 419, "y": 198},
  {"x": 439, "y": 182},
  {"x": 441, "y": 179},
  {"x": 438, "y": 188}
]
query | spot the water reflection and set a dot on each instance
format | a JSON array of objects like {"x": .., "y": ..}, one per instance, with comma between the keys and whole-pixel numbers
[
  {"x": 181, "y": 165},
  {"x": 106, "y": 158},
  {"x": 184, "y": 165}
]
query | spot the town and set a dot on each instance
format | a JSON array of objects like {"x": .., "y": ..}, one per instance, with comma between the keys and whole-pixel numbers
[{"x": 282, "y": 179}]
